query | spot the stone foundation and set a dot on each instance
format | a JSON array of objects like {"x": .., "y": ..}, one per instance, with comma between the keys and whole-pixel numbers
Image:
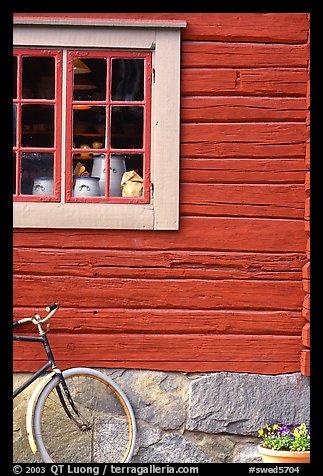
[{"x": 195, "y": 418}]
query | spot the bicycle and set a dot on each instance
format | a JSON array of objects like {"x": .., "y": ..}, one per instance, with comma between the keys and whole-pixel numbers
[{"x": 77, "y": 415}]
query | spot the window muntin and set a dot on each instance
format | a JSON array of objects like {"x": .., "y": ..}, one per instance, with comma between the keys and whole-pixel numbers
[{"x": 36, "y": 128}]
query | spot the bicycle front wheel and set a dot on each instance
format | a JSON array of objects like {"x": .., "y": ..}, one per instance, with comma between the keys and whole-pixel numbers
[{"x": 110, "y": 433}]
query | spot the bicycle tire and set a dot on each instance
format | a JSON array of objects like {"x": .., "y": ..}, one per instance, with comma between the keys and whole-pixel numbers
[{"x": 112, "y": 436}]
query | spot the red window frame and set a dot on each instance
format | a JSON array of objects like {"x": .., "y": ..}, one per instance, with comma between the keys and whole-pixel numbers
[
  {"x": 58, "y": 121},
  {"x": 108, "y": 103},
  {"x": 57, "y": 102}
]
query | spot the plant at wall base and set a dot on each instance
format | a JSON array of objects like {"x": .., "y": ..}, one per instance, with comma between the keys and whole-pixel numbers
[
  {"x": 282, "y": 437},
  {"x": 285, "y": 442}
]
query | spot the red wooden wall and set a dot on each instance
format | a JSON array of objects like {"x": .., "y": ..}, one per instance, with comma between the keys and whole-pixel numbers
[{"x": 225, "y": 292}]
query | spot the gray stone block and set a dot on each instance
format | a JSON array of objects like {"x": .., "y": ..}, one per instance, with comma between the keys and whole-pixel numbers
[
  {"x": 239, "y": 403},
  {"x": 158, "y": 398}
]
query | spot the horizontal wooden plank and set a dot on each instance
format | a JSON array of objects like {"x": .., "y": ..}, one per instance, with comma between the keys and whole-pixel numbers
[
  {"x": 263, "y": 27},
  {"x": 157, "y": 264},
  {"x": 282, "y": 201},
  {"x": 242, "y": 109},
  {"x": 195, "y": 233},
  {"x": 177, "y": 348},
  {"x": 246, "y": 133},
  {"x": 243, "y": 140},
  {"x": 205, "y": 149},
  {"x": 167, "y": 321},
  {"x": 214, "y": 170},
  {"x": 251, "y": 82},
  {"x": 189, "y": 366},
  {"x": 218, "y": 54},
  {"x": 158, "y": 293},
  {"x": 207, "y": 81},
  {"x": 256, "y": 27}
]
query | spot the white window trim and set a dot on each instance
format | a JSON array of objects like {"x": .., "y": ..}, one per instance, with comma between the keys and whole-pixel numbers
[{"x": 163, "y": 39}]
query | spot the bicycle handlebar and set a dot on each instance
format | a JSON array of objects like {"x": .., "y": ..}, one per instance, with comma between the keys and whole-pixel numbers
[
  {"x": 37, "y": 320},
  {"x": 52, "y": 309}
]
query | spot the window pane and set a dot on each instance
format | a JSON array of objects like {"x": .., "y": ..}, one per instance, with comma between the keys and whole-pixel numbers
[
  {"x": 87, "y": 176},
  {"x": 126, "y": 127},
  {"x": 14, "y": 77},
  {"x": 37, "y": 125},
  {"x": 132, "y": 180},
  {"x": 37, "y": 173},
  {"x": 90, "y": 78},
  {"x": 134, "y": 162},
  {"x": 38, "y": 78},
  {"x": 88, "y": 125},
  {"x": 127, "y": 80},
  {"x": 82, "y": 164}
]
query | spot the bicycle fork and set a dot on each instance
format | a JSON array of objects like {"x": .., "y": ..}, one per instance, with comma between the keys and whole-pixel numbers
[{"x": 84, "y": 425}]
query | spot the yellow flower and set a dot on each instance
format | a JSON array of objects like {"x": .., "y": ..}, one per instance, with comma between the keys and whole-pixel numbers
[
  {"x": 275, "y": 427},
  {"x": 296, "y": 433},
  {"x": 268, "y": 428},
  {"x": 260, "y": 432}
]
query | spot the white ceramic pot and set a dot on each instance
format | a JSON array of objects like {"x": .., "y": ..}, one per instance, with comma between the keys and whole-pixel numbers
[
  {"x": 117, "y": 169},
  {"x": 99, "y": 170},
  {"x": 43, "y": 186},
  {"x": 86, "y": 187}
]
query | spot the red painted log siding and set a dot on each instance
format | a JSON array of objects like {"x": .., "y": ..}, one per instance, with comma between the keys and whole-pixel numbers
[{"x": 225, "y": 291}]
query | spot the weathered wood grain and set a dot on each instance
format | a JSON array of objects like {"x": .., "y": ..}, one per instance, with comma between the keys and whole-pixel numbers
[
  {"x": 282, "y": 201},
  {"x": 189, "y": 366},
  {"x": 225, "y": 291},
  {"x": 178, "y": 348},
  {"x": 305, "y": 367},
  {"x": 242, "y": 109},
  {"x": 195, "y": 233},
  {"x": 168, "y": 321},
  {"x": 206, "y": 54},
  {"x": 159, "y": 293},
  {"x": 156, "y": 264},
  {"x": 243, "y": 140},
  {"x": 306, "y": 335},
  {"x": 247, "y": 171},
  {"x": 246, "y": 133},
  {"x": 250, "y": 82}
]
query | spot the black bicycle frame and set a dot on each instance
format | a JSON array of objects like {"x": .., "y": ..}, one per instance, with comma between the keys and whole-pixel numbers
[{"x": 50, "y": 364}]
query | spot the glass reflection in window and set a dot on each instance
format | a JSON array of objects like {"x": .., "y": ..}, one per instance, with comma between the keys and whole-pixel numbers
[
  {"x": 36, "y": 176},
  {"x": 127, "y": 127},
  {"x": 38, "y": 77},
  {"x": 89, "y": 79},
  {"x": 127, "y": 79},
  {"x": 37, "y": 125}
]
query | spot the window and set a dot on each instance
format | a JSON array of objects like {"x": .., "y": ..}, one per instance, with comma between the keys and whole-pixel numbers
[
  {"x": 36, "y": 131},
  {"x": 96, "y": 125}
]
